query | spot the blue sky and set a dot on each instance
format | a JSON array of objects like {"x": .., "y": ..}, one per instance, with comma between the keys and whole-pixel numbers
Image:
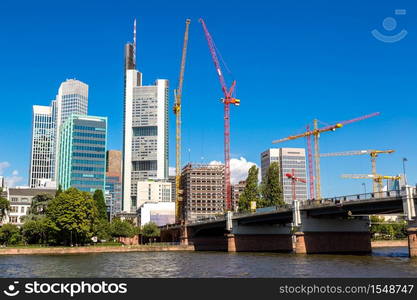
[{"x": 293, "y": 61}]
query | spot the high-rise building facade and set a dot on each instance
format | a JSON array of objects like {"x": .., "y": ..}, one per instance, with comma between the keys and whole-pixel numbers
[
  {"x": 287, "y": 159},
  {"x": 113, "y": 182},
  {"x": 72, "y": 98},
  {"x": 153, "y": 191},
  {"x": 42, "y": 154},
  {"x": 203, "y": 191},
  {"x": 145, "y": 130},
  {"x": 82, "y": 155}
]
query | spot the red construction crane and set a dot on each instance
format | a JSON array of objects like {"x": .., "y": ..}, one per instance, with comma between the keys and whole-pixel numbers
[
  {"x": 294, "y": 182},
  {"x": 227, "y": 100},
  {"x": 316, "y": 133}
]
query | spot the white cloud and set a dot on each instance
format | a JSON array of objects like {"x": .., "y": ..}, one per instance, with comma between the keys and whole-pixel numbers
[
  {"x": 11, "y": 181},
  {"x": 172, "y": 171},
  {"x": 3, "y": 166},
  {"x": 239, "y": 168}
]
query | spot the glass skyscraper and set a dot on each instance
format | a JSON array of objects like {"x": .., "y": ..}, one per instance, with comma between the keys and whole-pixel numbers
[
  {"x": 72, "y": 98},
  {"x": 42, "y": 156},
  {"x": 82, "y": 153}
]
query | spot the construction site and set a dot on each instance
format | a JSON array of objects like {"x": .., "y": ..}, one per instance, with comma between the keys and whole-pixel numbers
[{"x": 294, "y": 180}]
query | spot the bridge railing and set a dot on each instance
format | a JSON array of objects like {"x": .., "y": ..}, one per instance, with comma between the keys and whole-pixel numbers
[{"x": 348, "y": 198}]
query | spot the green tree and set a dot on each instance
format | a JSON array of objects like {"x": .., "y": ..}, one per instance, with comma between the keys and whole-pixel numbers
[
  {"x": 58, "y": 191},
  {"x": 271, "y": 187},
  {"x": 251, "y": 191},
  {"x": 150, "y": 230},
  {"x": 103, "y": 230},
  {"x": 100, "y": 204},
  {"x": 4, "y": 205},
  {"x": 10, "y": 234},
  {"x": 73, "y": 215},
  {"x": 38, "y": 206},
  {"x": 119, "y": 228}
]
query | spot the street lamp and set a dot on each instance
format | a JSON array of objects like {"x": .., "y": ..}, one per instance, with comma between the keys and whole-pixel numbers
[
  {"x": 364, "y": 186},
  {"x": 405, "y": 177}
]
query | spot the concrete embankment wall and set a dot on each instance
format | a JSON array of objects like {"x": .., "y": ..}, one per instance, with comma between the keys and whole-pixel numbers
[
  {"x": 396, "y": 243},
  {"x": 94, "y": 249}
]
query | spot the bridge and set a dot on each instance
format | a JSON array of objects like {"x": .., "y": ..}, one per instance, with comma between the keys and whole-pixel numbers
[{"x": 331, "y": 225}]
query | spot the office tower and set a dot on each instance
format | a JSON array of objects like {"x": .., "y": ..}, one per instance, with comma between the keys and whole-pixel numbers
[
  {"x": 113, "y": 182},
  {"x": 42, "y": 154},
  {"x": 203, "y": 191},
  {"x": 72, "y": 98},
  {"x": 287, "y": 159},
  {"x": 82, "y": 155},
  {"x": 145, "y": 130}
]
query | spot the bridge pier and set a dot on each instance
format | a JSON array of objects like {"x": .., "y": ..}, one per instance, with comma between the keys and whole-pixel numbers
[
  {"x": 332, "y": 235},
  {"x": 412, "y": 240}
]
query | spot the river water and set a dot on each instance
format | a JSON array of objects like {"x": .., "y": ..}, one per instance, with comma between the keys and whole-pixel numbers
[{"x": 384, "y": 262}]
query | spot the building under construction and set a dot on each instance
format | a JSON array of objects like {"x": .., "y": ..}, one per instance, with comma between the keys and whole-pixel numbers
[
  {"x": 203, "y": 191},
  {"x": 237, "y": 190}
]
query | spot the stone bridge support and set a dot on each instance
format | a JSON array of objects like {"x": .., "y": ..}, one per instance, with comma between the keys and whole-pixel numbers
[
  {"x": 332, "y": 235},
  {"x": 408, "y": 194}
]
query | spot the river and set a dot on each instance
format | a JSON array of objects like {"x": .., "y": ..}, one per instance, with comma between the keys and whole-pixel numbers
[{"x": 384, "y": 262}]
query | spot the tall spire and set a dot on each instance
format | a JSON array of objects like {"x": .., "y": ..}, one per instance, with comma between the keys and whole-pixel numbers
[{"x": 134, "y": 43}]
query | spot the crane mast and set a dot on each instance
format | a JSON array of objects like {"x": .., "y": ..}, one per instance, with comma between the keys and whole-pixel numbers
[
  {"x": 227, "y": 100},
  {"x": 177, "y": 112}
]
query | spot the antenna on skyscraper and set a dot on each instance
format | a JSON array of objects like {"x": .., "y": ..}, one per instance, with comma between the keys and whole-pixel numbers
[{"x": 134, "y": 42}]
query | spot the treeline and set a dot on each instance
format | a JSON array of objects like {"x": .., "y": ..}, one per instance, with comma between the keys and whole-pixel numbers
[
  {"x": 383, "y": 230},
  {"x": 70, "y": 218},
  {"x": 268, "y": 193}
]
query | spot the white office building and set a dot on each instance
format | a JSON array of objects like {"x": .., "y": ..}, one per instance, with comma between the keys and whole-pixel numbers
[
  {"x": 153, "y": 191},
  {"x": 287, "y": 159},
  {"x": 72, "y": 98},
  {"x": 42, "y": 155},
  {"x": 145, "y": 131}
]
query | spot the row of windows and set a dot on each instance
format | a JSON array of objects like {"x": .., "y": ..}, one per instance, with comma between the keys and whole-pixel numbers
[
  {"x": 81, "y": 175},
  {"x": 92, "y": 155},
  {"x": 89, "y": 142},
  {"x": 145, "y": 165},
  {"x": 88, "y": 148},
  {"x": 88, "y": 162},
  {"x": 87, "y": 182},
  {"x": 145, "y": 131},
  {"x": 89, "y": 169},
  {"x": 79, "y": 127},
  {"x": 87, "y": 134}
]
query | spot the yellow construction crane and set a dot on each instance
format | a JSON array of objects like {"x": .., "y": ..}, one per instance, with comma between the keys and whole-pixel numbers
[
  {"x": 376, "y": 178},
  {"x": 372, "y": 153},
  {"x": 177, "y": 112},
  {"x": 316, "y": 180}
]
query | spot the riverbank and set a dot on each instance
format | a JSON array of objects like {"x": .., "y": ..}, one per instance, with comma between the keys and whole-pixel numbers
[
  {"x": 94, "y": 249},
  {"x": 389, "y": 243}
]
